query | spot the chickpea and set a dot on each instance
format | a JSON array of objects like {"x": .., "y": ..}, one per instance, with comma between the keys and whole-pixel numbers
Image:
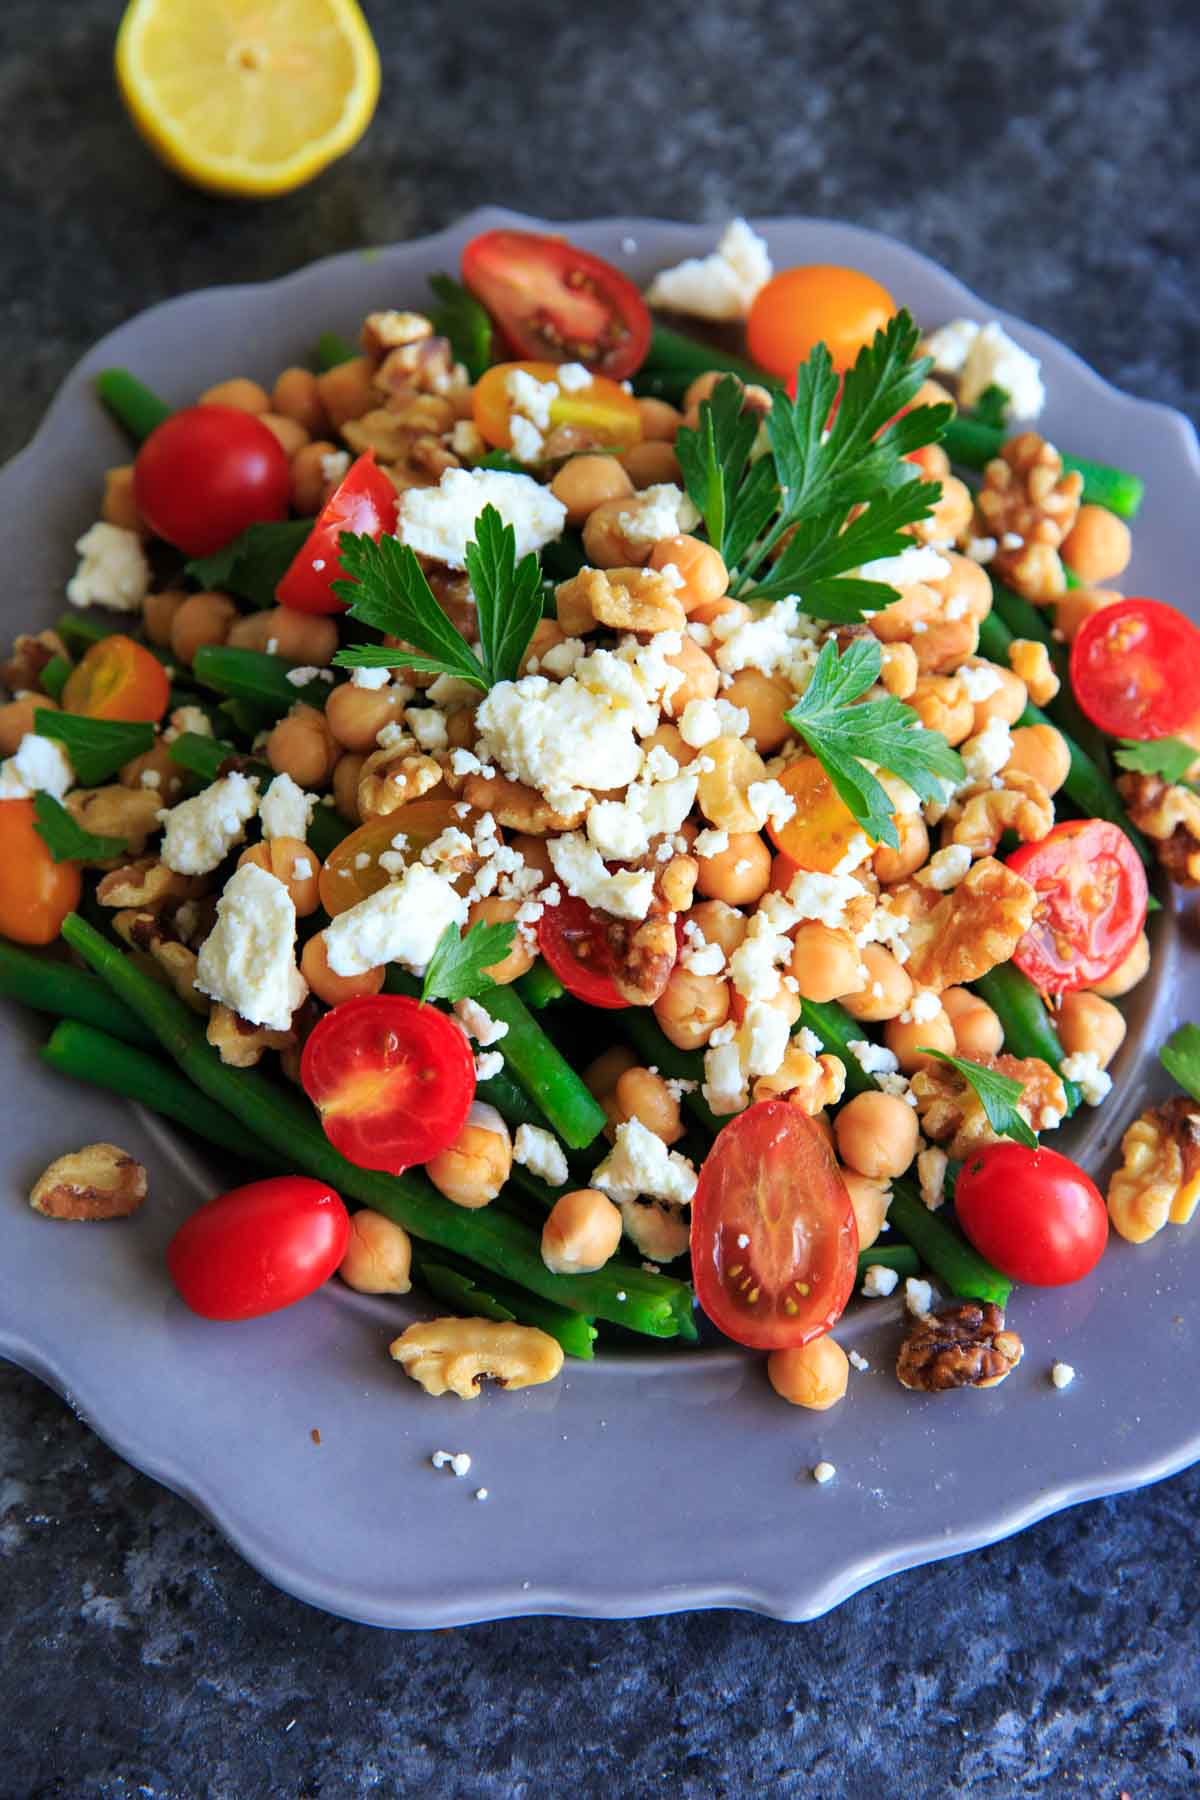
[
  {"x": 721, "y": 924},
  {"x": 945, "y": 643},
  {"x": 585, "y": 482},
  {"x": 977, "y": 1029},
  {"x": 479, "y": 1162},
  {"x": 356, "y": 715},
  {"x": 118, "y": 506},
  {"x": 202, "y": 619},
  {"x": 310, "y": 489},
  {"x": 345, "y": 392},
  {"x": 547, "y": 633},
  {"x": 307, "y": 638},
  {"x": 740, "y": 875},
  {"x": 1128, "y": 973},
  {"x": 702, "y": 568},
  {"x": 690, "y": 1007},
  {"x": 893, "y": 865},
  {"x": 582, "y": 1232},
  {"x": 346, "y": 772},
  {"x": 870, "y": 1200},
  {"x": 288, "y": 434},
  {"x": 16, "y": 720},
  {"x": 886, "y": 991},
  {"x": 605, "y": 543},
  {"x": 1098, "y": 546},
  {"x": 646, "y": 1097},
  {"x": 766, "y": 699},
  {"x": 301, "y": 746},
  {"x": 942, "y": 704},
  {"x": 669, "y": 738},
  {"x": 951, "y": 515},
  {"x": 1089, "y": 1025},
  {"x": 282, "y": 857},
  {"x": 1077, "y": 607},
  {"x": 601, "y": 1076},
  {"x": 659, "y": 419},
  {"x": 967, "y": 581},
  {"x": 155, "y": 761},
  {"x": 906, "y": 1038},
  {"x": 876, "y": 1134},
  {"x": 331, "y": 988},
  {"x": 1041, "y": 752},
  {"x": 701, "y": 389},
  {"x": 239, "y": 392},
  {"x": 701, "y": 679},
  {"x": 494, "y": 911},
  {"x": 734, "y": 612},
  {"x": 378, "y": 1257},
  {"x": 783, "y": 1000},
  {"x": 649, "y": 463},
  {"x": 825, "y": 961},
  {"x": 297, "y": 396},
  {"x": 917, "y": 605},
  {"x": 1008, "y": 702},
  {"x": 814, "y": 1375},
  {"x": 159, "y": 612}
]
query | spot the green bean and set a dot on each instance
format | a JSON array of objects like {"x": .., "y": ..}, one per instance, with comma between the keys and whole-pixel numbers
[
  {"x": 1012, "y": 616},
  {"x": 836, "y": 1029},
  {"x": 511, "y": 1102},
  {"x": 53, "y": 678},
  {"x": 497, "y": 1301},
  {"x": 673, "y": 350},
  {"x": 539, "y": 986},
  {"x": 651, "y": 1304},
  {"x": 42, "y": 982},
  {"x": 944, "y": 1250},
  {"x": 657, "y": 1051},
  {"x": 973, "y": 444},
  {"x": 256, "y": 676},
  {"x": 901, "y": 1257},
  {"x": 1028, "y": 1030},
  {"x": 245, "y": 717},
  {"x": 131, "y": 403},
  {"x": 543, "y": 1072},
  {"x": 79, "y": 631},
  {"x": 331, "y": 350}
]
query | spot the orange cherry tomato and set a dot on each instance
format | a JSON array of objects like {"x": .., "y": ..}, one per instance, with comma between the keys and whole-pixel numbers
[
  {"x": 822, "y": 828},
  {"x": 817, "y": 303},
  {"x": 118, "y": 679},
  {"x": 36, "y": 893},
  {"x": 604, "y": 410},
  {"x": 346, "y": 878}
]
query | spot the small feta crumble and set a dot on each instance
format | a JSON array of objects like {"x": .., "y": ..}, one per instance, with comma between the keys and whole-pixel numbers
[
  {"x": 400, "y": 923},
  {"x": 711, "y": 842},
  {"x": 1084, "y": 1070},
  {"x": 993, "y": 359},
  {"x": 199, "y": 833},
  {"x": 918, "y": 1297},
  {"x": 924, "y": 1006},
  {"x": 579, "y": 866},
  {"x": 808, "y": 1041},
  {"x": 191, "y": 719},
  {"x": 113, "y": 570},
  {"x": 301, "y": 868},
  {"x": 457, "y": 1461},
  {"x": 488, "y": 1064},
  {"x": 248, "y": 960},
  {"x": 150, "y": 778},
  {"x": 981, "y": 549},
  {"x": 979, "y": 680},
  {"x": 541, "y": 1153},
  {"x": 822, "y": 897},
  {"x": 479, "y": 1023},
  {"x": 393, "y": 736},
  {"x": 639, "y": 1163},
  {"x": 531, "y": 397},
  {"x": 823, "y": 1472},
  {"x": 335, "y": 465},
  {"x": 949, "y": 344},
  {"x": 285, "y": 810},
  {"x": 931, "y": 1173},
  {"x": 857, "y": 1362},
  {"x": 1012, "y": 540},
  {"x": 306, "y": 672},
  {"x": 985, "y": 754},
  {"x": 770, "y": 800},
  {"x": 920, "y": 563},
  {"x": 373, "y": 679},
  {"x": 872, "y": 1059},
  {"x": 560, "y": 659},
  {"x": 440, "y": 521},
  {"x": 428, "y": 726},
  {"x": 573, "y": 377},
  {"x": 724, "y": 1088},
  {"x": 1062, "y": 1374},
  {"x": 945, "y": 868},
  {"x": 567, "y": 737},
  {"x": 1049, "y": 1120},
  {"x": 527, "y": 441},
  {"x": 878, "y": 1281},
  {"x": 657, "y": 512},
  {"x": 39, "y": 766},
  {"x": 722, "y": 285},
  {"x": 956, "y": 607},
  {"x": 481, "y": 1493},
  {"x": 700, "y": 723},
  {"x": 702, "y": 958}
]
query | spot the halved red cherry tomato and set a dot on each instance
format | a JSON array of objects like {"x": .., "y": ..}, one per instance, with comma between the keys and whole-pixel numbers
[
  {"x": 345, "y": 880},
  {"x": 573, "y": 939},
  {"x": 1135, "y": 669},
  {"x": 363, "y": 502},
  {"x": 774, "y": 1241},
  {"x": 550, "y": 299},
  {"x": 206, "y": 473},
  {"x": 392, "y": 1080},
  {"x": 818, "y": 303},
  {"x": 118, "y": 678},
  {"x": 604, "y": 411},
  {"x": 36, "y": 893},
  {"x": 1093, "y": 894},
  {"x": 1034, "y": 1213},
  {"x": 258, "y": 1248}
]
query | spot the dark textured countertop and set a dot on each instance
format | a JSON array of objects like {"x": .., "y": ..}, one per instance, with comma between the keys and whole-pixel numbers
[{"x": 1048, "y": 154}]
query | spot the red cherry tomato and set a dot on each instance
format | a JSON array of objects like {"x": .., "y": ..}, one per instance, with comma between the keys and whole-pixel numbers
[
  {"x": 36, "y": 893},
  {"x": 258, "y": 1248},
  {"x": 573, "y": 938},
  {"x": 1135, "y": 669},
  {"x": 118, "y": 678},
  {"x": 554, "y": 301},
  {"x": 774, "y": 1242},
  {"x": 392, "y": 1080},
  {"x": 1034, "y": 1213},
  {"x": 363, "y": 502},
  {"x": 818, "y": 303},
  {"x": 206, "y": 473},
  {"x": 1093, "y": 894}
]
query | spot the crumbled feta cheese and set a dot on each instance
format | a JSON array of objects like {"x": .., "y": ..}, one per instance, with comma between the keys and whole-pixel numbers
[
  {"x": 872, "y": 1059},
  {"x": 985, "y": 754},
  {"x": 541, "y": 1153},
  {"x": 564, "y": 737},
  {"x": 479, "y": 1023},
  {"x": 191, "y": 719},
  {"x": 878, "y": 1281},
  {"x": 702, "y": 958},
  {"x": 711, "y": 842},
  {"x": 918, "y": 1297},
  {"x": 763, "y": 1038},
  {"x": 39, "y": 766},
  {"x": 573, "y": 377},
  {"x": 530, "y": 396},
  {"x": 335, "y": 466},
  {"x": 428, "y": 726},
  {"x": 980, "y": 681},
  {"x": 945, "y": 868},
  {"x": 775, "y": 640},
  {"x": 931, "y": 1173},
  {"x": 770, "y": 800},
  {"x": 994, "y": 360},
  {"x": 1012, "y": 540},
  {"x": 400, "y": 923},
  {"x": 919, "y": 563},
  {"x": 285, "y": 810},
  {"x": 626, "y": 894},
  {"x": 822, "y": 897},
  {"x": 488, "y": 1064},
  {"x": 722, "y": 285},
  {"x": 248, "y": 960},
  {"x": 527, "y": 441},
  {"x": 150, "y": 778},
  {"x": 981, "y": 549},
  {"x": 640, "y": 1163},
  {"x": 754, "y": 965},
  {"x": 856, "y": 1361},
  {"x": 661, "y": 511},
  {"x": 1062, "y": 1374},
  {"x": 923, "y": 1006},
  {"x": 622, "y": 829},
  {"x": 700, "y": 723},
  {"x": 113, "y": 571},
  {"x": 808, "y": 1041},
  {"x": 1084, "y": 1070},
  {"x": 458, "y": 1462},
  {"x": 949, "y": 344},
  {"x": 301, "y": 868},
  {"x": 199, "y": 833},
  {"x": 440, "y": 521},
  {"x": 373, "y": 679},
  {"x": 724, "y": 1088},
  {"x": 824, "y": 1472}
]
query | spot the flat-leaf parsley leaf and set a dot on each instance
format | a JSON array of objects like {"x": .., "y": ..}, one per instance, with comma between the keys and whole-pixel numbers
[
  {"x": 458, "y": 968},
  {"x": 998, "y": 1095}
]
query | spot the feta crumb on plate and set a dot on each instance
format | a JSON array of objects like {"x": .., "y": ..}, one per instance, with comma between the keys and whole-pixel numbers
[
  {"x": 1062, "y": 1374},
  {"x": 823, "y": 1472}
]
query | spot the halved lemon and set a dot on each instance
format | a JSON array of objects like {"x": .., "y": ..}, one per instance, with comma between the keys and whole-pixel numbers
[{"x": 249, "y": 97}]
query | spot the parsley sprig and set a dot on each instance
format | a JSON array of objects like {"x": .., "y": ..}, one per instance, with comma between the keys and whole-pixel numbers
[
  {"x": 1169, "y": 757},
  {"x": 845, "y": 733},
  {"x": 1180, "y": 1057},
  {"x": 457, "y": 970},
  {"x": 97, "y": 747},
  {"x": 807, "y": 486},
  {"x": 998, "y": 1094},
  {"x": 386, "y": 588}
]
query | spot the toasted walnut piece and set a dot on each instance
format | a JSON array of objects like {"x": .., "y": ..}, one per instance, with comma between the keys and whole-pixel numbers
[
  {"x": 390, "y": 433},
  {"x": 1030, "y": 661},
  {"x": 899, "y": 670},
  {"x": 388, "y": 330},
  {"x": 1159, "y": 1179},
  {"x": 425, "y": 366},
  {"x": 156, "y": 936},
  {"x": 965, "y": 1345},
  {"x": 643, "y": 957},
  {"x": 626, "y": 599},
  {"x": 100, "y": 1181},
  {"x": 240, "y": 1044},
  {"x": 146, "y": 883},
  {"x": 809, "y": 1082},
  {"x": 1026, "y": 496},
  {"x": 454, "y": 1355},
  {"x": 30, "y": 654},
  {"x": 968, "y": 931},
  {"x": 675, "y": 883},
  {"x": 657, "y": 1229},
  {"x": 1171, "y": 816},
  {"x": 428, "y": 456},
  {"x": 516, "y": 807},
  {"x": 116, "y": 811},
  {"x": 728, "y": 768},
  {"x": 391, "y": 778},
  {"x": 983, "y": 814},
  {"x": 951, "y": 1112}
]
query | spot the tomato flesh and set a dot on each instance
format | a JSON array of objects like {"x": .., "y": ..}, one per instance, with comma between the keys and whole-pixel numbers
[
  {"x": 572, "y": 937},
  {"x": 345, "y": 880},
  {"x": 364, "y": 502},
  {"x": 1093, "y": 893},
  {"x": 1034, "y": 1213},
  {"x": 208, "y": 472},
  {"x": 817, "y": 303},
  {"x": 774, "y": 1240},
  {"x": 393, "y": 1080},
  {"x": 258, "y": 1248},
  {"x": 604, "y": 412},
  {"x": 822, "y": 828},
  {"x": 1135, "y": 669},
  {"x": 550, "y": 299},
  {"x": 36, "y": 893},
  {"x": 118, "y": 678}
]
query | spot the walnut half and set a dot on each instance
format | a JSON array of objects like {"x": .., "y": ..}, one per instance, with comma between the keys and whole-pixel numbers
[
  {"x": 100, "y": 1181},
  {"x": 452, "y": 1356},
  {"x": 965, "y": 1345},
  {"x": 1159, "y": 1177},
  {"x": 1171, "y": 816},
  {"x": 964, "y": 933},
  {"x": 951, "y": 1112}
]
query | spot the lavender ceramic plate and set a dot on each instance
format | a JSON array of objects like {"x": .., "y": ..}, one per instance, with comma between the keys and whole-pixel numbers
[{"x": 641, "y": 1483}]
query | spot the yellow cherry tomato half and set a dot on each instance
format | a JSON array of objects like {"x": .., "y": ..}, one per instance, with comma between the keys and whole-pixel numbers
[
  {"x": 118, "y": 679},
  {"x": 353, "y": 870},
  {"x": 604, "y": 411},
  {"x": 822, "y": 828},
  {"x": 817, "y": 303},
  {"x": 36, "y": 893}
]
